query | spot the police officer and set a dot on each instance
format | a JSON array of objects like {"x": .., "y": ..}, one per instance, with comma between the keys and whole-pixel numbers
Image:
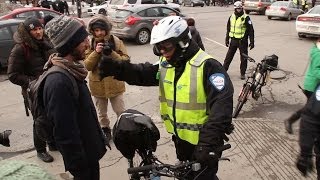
[
  {"x": 239, "y": 28},
  {"x": 195, "y": 92},
  {"x": 310, "y": 134}
]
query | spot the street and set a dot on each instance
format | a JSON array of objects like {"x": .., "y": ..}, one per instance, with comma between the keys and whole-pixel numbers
[{"x": 261, "y": 149}]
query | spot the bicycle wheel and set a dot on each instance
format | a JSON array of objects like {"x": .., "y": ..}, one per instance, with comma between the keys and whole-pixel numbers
[{"x": 241, "y": 100}]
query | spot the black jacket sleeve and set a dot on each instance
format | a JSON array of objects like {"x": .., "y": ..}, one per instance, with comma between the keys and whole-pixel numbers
[
  {"x": 16, "y": 67},
  {"x": 228, "y": 29},
  {"x": 143, "y": 74},
  {"x": 199, "y": 41},
  {"x": 219, "y": 103},
  {"x": 61, "y": 108},
  {"x": 250, "y": 30}
]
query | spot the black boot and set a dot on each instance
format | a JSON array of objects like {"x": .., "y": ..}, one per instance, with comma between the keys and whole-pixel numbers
[
  {"x": 4, "y": 138},
  {"x": 45, "y": 156},
  {"x": 108, "y": 136},
  {"x": 288, "y": 122}
]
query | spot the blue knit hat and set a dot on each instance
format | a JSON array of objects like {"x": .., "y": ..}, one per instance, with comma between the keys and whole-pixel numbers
[{"x": 19, "y": 170}]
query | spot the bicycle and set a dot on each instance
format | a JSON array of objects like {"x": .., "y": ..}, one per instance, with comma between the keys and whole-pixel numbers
[
  {"x": 256, "y": 81},
  {"x": 151, "y": 167}
]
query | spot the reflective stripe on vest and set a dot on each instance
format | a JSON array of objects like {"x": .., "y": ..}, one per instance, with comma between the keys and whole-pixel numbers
[
  {"x": 189, "y": 106},
  {"x": 237, "y": 26}
]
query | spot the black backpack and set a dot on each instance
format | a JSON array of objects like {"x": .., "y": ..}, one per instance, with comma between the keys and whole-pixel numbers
[
  {"x": 43, "y": 127},
  {"x": 135, "y": 131}
]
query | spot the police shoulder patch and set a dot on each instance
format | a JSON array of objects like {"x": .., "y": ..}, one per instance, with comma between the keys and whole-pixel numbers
[
  {"x": 217, "y": 80},
  {"x": 318, "y": 93}
]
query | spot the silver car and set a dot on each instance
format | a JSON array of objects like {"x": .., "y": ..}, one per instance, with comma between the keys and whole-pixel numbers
[
  {"x": 137, "y": 22},
  {"x": 283, "y": 9}
]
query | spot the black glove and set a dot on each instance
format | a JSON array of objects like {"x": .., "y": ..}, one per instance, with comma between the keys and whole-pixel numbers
[
  {"x": 4, "y": 138},
  {"x": 108, "y": 67},
  {"x": 201, "y": 155},
  {"x": 227, "y": 42},
  {"x": 251, "y": 45},
  {"x": 304, "y": 164}
]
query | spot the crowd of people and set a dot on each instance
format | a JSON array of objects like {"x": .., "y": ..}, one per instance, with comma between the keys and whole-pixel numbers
[{"x": 195, "y": 90}]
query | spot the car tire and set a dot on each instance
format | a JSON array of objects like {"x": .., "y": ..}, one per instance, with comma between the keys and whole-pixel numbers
[
  {"x": 143, "y": 36},
  {"x": 192, "y": 4},
  {"x": 269, "y": 17},
  {"x": 247, "y": 11},
  {"x": 301, "y": 35},
  {"x": 289, "y": 17},
  {"x": 263, "y": 12},
  {"x": 102, "y": 11},
  {"x": 202, "y": 5}
]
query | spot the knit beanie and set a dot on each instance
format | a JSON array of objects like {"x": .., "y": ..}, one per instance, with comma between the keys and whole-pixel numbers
[
  {"x": 19, "y": 170},
  {"x": 100, "y": 24},
  {"x": 31, "y": 23},
  {"x": 65, "y": 33}
]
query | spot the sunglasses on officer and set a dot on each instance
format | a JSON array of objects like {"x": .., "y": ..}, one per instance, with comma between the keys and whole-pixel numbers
[{"x": 166, "y": 46}]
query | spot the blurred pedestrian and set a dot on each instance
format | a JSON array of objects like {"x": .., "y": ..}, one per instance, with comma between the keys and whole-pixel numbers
[
  {"x": 76, "y": 130},
  {"x": 311, "y": 79},
  {"x": 45, "y": 4},
  {"x": 195, "y": 33},
  {"x": 26, "y": 63},
  {"x": 239, "y": 29},
  {"x": 108, "y": 89},
  {"x": 66, "y": 8},
  {"x": 61, "y": 6},
  {"x": 309, "y": 135}
]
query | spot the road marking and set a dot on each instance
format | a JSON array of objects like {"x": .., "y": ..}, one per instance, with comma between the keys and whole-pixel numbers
[{"x": 216, "y": 42}]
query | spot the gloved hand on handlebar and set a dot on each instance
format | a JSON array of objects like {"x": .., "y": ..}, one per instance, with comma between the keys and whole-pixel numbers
[
  {"x": 251, "y": 45},
  {"x": 203, "y": 155}
]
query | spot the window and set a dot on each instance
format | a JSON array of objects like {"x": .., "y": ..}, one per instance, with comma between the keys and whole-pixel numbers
[
  {"x": 25, "y": 14},
  {"x": 5, "y": 34},
  {"x": 132, "y": 1},
  {"x": 152, "y": 12},
  {"x": 116, "y": 2},
  {"x": 167, "y": 12}
]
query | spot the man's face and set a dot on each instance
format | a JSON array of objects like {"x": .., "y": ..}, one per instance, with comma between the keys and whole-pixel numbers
[
  {"x": 166, "y": 49},
  {"x": 99, "y": 33},
  {"x": 238, "y": 10},
  {"x": 37, "y": 33},
  {"x": 79, "y": 51}
]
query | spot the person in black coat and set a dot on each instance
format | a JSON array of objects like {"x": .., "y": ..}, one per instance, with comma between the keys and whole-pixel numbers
[
  {"x": 77, "y": 132},
  {"x": 310, "y": 135},
  {"x": 195, "y": 33}
]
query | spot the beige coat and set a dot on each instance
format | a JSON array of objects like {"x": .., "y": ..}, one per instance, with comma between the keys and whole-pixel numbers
[{"x": 108, "y": 87}]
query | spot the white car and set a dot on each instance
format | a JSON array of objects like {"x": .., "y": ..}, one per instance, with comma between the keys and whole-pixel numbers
[
  {"x": 115, "y": 4},
  {"x": 101, "y": 9},
  {"x": 308, "y": 24}
]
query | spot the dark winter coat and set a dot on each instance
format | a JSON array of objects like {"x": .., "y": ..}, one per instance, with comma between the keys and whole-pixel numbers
[
  {"x": 27, "y": 57},
  {"x": 196, "y": 36},
  {"x": 77, "y": 132}
]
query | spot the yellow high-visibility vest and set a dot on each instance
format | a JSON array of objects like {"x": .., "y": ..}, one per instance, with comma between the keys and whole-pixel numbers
[
  {"x": 237, "y": 26},
  {"x": 186, "y": 101}
]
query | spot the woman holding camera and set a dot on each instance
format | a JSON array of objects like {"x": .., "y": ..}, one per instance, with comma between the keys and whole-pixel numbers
[{"x": 108, "y": 88}]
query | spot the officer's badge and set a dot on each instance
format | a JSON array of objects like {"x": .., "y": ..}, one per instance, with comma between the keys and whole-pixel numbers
[{"x": 217, "y": 80}]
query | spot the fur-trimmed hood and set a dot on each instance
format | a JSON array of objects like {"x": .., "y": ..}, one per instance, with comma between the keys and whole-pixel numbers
[
  {"x": 23, "y": 36},
  {"x": 95, "y": 19}
]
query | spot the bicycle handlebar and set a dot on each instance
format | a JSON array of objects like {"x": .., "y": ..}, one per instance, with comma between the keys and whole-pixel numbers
[
  {"x": 174, "y": 167},
  {"x": 248, "y": 57}
]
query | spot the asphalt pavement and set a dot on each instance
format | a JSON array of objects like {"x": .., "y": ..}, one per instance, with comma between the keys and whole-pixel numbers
[{"x": 260, "y": 147}]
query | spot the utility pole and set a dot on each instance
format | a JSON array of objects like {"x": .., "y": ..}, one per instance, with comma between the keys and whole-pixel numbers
[{"x": 79, "y": 8}]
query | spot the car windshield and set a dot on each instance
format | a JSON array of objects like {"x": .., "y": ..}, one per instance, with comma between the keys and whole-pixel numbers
[
  {"x": 117, "y": 2},
  {"x": 280, "y": 3},
  {"x": 253, "y": 1},
  {"x": 121, "y": 13},
  {"x": 315, "y": 10}
]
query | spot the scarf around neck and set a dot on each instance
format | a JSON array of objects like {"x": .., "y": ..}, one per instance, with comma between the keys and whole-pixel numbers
[{"x": 76, "y": 68}]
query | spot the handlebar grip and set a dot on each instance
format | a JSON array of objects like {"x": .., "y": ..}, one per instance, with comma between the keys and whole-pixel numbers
[
  {"x": 245, "y": 56},
  {"x": 140, "y": 169}
]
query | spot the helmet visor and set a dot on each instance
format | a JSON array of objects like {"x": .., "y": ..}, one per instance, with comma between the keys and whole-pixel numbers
[{"x": 166, "y": 46}]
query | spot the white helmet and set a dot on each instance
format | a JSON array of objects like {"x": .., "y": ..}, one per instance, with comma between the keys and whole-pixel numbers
[
  {"x": 169, "y": 27},
  {"x": 237, "y": 4}
]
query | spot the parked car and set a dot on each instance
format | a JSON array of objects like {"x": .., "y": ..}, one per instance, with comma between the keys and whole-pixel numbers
[
  {"x": 115, "y": 4},
  {"x": 101, "y": 9},
  {"x": 283, "y": 9},
  {"x": 193, "y": 3},
  {"x": 137, "y": 22},
  {"x": 258, "y": 6},
  {"x": 7, "y": 29},
  {"x": 23, "y": 13},
  {"x": 308, "y": 24}
]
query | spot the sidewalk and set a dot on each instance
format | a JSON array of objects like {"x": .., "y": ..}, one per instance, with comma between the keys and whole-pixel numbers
[{"x": 260, "y": 150}]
